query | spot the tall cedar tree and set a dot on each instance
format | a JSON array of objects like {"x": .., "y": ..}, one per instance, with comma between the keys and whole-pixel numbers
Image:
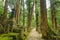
[
  {"x": 17, "y": 12},
  {"x": 44, "y": 21},
  {"x": 17, "y": 16},
  {"x": 30, "y": 11}
]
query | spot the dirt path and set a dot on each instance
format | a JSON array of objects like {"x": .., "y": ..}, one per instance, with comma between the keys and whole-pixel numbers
[{"x": 34, "y": 35}]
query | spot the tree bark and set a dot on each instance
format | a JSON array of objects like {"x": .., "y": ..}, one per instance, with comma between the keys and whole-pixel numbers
[
  {"x": 17, "y": 12},
  {"x": 5, "y": 16},
  {"x": 30, "y": 12},
  {"x": 5, "y": 9},
  {"x": 44, "y": 21}
]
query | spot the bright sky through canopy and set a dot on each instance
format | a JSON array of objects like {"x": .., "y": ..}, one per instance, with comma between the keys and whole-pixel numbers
[{"x": 48, "y": 3}]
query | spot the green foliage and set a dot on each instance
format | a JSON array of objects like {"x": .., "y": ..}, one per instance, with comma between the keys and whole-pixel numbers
[
  {"x": 1, "y": 7},
  {"x": 29, "y": 4},
  {"x": 5, "y": 38},
  {"x": 1, "y": 10},
  {"x": 11, "y": 1},
  {"x": 9, "y": 36},
  {"x": 1, "y": 29},
  {"x": 53, "y": 34}
]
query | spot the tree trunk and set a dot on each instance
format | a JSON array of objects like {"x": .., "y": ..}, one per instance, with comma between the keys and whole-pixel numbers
[
  {"x": 5, "y": 15},
  {"x": 29, "y": 19},
  {"x": 5, "y": 9},
  {"x": 53, "y": 15},
  {"x": 30, "y": 11},
  {"x": 37, "y": 14},
  {"x": 17, "y": 12},
  {"x": 17, "y": 17},
  {"x": 23, "y": 15},
  {"x": 44, "y": 21}
]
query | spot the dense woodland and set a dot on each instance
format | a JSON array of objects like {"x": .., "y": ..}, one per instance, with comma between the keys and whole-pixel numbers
[{"x": 29, "y": 20}]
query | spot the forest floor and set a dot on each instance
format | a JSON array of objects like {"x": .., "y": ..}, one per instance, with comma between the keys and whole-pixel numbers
[{"x": 34, "y": 35}]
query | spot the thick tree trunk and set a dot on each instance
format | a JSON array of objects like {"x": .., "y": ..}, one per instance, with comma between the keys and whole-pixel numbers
[
  {"x": 17, "y": 12},
  {"x": 17, "y": 17},
  {"x": 44, "y": 21}
]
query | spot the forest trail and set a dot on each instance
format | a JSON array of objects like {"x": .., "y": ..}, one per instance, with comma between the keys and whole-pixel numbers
[{"x": 34, "y": 35}]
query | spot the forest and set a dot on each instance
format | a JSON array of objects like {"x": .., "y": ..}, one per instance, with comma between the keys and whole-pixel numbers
[{"x": 29, "y": 20}]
